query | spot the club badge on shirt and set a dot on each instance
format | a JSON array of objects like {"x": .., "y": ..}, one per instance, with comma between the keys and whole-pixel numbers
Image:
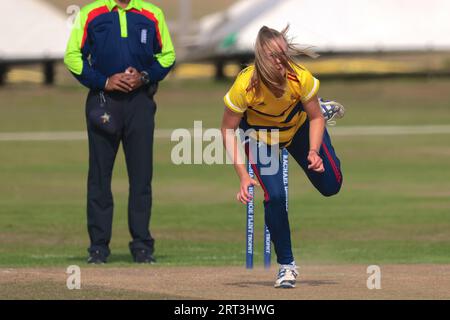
[{"x": 144, "y": 36}]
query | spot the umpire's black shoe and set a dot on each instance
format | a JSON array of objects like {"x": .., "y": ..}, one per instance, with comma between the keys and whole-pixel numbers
[
  {"x": 96, "y": 257},
  {"x": 143, "y": 256}
]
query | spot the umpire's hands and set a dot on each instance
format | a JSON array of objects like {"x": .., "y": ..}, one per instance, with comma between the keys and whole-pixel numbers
[
  {"x": 133, "y": 78},
  {"x": 118, "y": 82}
]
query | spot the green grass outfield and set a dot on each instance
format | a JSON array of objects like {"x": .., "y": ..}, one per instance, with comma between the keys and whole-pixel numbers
[{"x": 394, "y": 206}]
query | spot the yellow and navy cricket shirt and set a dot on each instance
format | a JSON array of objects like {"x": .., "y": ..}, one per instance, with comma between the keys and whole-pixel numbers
[
  {"x": 107, "y": 39},
  {"x": 266, "y": 112}
]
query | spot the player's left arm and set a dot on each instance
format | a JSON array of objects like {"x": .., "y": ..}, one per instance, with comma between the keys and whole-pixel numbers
[{"x": 316, "y": 130}]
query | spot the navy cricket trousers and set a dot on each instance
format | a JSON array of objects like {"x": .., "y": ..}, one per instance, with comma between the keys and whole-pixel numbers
[
  {"x": 135, "y": 113},
  {"x": 327, "y": 183}
]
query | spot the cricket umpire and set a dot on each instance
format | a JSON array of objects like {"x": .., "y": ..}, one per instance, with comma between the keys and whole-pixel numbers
[{"x": 120, "y": 50}]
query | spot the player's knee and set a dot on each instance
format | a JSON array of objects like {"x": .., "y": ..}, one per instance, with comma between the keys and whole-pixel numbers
[
  {"x": 278, "y": 197},
  {"x": 330, "y": 189}
]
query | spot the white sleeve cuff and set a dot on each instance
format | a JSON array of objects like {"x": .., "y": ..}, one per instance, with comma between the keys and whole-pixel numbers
[
  {"x": 313, "y": 90},
  {"x": 231, "y": 105}
]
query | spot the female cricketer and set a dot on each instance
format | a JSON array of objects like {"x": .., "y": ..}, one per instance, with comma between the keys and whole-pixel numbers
[{"x": 276, "y": 94}]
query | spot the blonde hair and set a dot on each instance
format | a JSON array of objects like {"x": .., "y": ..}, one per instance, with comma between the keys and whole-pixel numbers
[{"x": 265, "y": 71}]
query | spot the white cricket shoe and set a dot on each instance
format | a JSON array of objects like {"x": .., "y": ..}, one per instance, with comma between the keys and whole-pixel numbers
[
  {"x": 286, "y": 276},
  {"x": 331, "y": 110}
]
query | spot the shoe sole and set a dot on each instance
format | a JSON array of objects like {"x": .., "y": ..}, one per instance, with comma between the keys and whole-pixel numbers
[{"x": 285, "y": 285}]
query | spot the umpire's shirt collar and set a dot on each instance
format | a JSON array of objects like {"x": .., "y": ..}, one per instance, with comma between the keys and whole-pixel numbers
[{"x": 136, "y": 4}]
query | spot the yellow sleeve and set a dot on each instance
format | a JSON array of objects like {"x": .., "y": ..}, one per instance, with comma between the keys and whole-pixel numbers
[
  {"x": 309, "y": 86},
  {"x": 235, "y": 98}
]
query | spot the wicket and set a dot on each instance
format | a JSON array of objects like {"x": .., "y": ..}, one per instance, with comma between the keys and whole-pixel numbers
[{"x": 251, "y": 214}]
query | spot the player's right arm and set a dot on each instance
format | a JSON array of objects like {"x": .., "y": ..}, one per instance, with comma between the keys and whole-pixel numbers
[
  {"x": 235, "y": 106},
  {"x": 230, "y": 123}
]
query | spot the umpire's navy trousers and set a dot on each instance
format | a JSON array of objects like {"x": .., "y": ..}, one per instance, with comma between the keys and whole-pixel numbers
[
  {"x": 327, "y": 183},
  {"x": 136, "y": 112}
]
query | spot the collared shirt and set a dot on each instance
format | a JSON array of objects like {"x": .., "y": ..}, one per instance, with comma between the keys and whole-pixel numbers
[
  {"x": 107, "y": 39},
  {"x": 266, "y": 112}
]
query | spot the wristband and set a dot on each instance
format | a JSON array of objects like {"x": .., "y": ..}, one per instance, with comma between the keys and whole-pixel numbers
[{"x": 312, "y": 150}]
